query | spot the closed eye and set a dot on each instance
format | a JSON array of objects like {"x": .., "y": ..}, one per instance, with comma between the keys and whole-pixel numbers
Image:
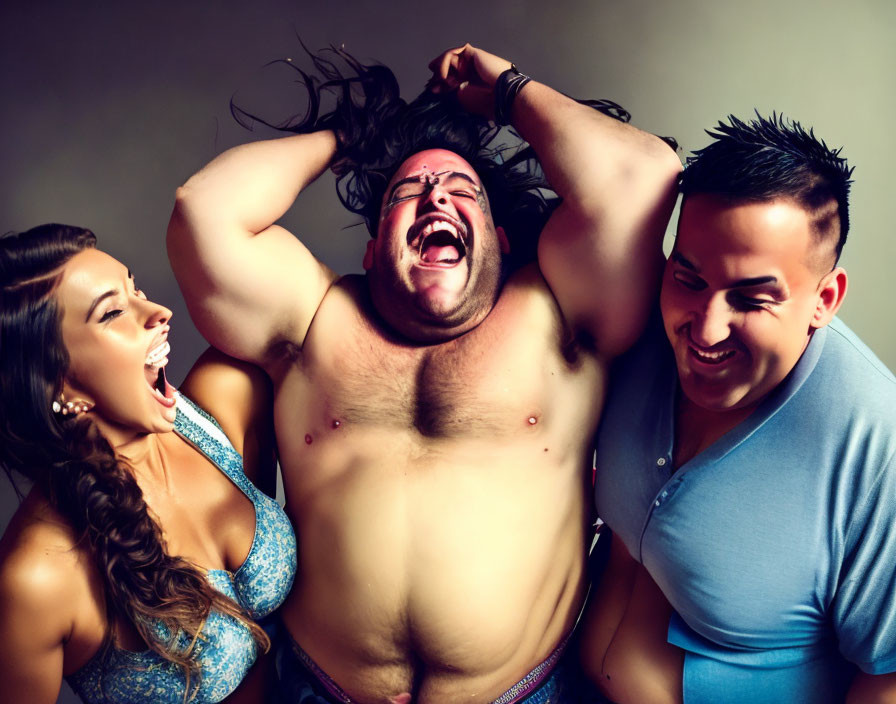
[
  {"x": 692, "y": 282},
  {"x": 110, "y": 314},
  {"x": 739, "y": 302}
]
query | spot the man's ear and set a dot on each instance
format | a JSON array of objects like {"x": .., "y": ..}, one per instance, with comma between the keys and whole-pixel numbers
[
  {"x": 503, "y": 242},
  {"x": 367, "y": 262},
  {"x": 831, "y": 292}
]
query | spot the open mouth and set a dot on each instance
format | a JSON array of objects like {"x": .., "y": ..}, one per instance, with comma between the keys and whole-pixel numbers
[
  {"x": 154, "y": 371},
  {"x": 711, "y": 358},
  {"x": 439, "y": 241}
]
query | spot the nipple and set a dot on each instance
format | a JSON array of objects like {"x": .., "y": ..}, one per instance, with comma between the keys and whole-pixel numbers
[{"x": 308, "y": 439}]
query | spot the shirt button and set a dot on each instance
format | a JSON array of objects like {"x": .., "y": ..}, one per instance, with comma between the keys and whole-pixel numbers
[
  {"x": 661, "y": 462},
  {"x": 656, "y": 503}
]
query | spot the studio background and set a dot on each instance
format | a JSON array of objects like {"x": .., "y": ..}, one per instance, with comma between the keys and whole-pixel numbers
[{"x": 106, "y": 107}]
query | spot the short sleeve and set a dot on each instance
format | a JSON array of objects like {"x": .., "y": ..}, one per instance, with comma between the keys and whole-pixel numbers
[{"x": 864, "y": 607}]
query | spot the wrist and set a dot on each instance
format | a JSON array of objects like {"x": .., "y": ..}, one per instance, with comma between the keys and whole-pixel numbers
[{"x": 507, "y": 88}]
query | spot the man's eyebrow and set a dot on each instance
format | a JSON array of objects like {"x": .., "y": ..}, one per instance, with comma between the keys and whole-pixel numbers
[
  {"x": 678, "y": 259},
  {"x": 409, "y": 179},
  {"x": 740, "y": 283},
  {"x": 754, "y": 281},
  {"x": 96, "y": 301},
  {"x": 464, "y": 176},
  {"x": 447, "y": 174}
]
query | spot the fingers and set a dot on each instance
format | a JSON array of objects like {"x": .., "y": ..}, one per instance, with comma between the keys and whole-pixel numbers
[
  {"x": 471, "y": 73},
  {"x": 450, "y": 69},
  {"x": 440, "y": 64}
]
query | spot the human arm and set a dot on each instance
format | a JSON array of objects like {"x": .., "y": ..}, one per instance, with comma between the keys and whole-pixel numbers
[
  {"x": 864, "y": 605},
  {"x": 239, "y": 396},
  {"x": 35, "y": 620},
  {"x": 249, "y": 284},
  {"x": 600, "y": 252}
]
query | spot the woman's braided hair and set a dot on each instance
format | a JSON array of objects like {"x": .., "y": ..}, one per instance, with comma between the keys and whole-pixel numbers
[{"x": 76, "y": 468}]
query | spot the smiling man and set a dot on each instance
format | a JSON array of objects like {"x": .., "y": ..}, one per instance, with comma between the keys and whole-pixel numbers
[
  {"x": 434, "y": 417},
  {"x": 747, "y": 455}
]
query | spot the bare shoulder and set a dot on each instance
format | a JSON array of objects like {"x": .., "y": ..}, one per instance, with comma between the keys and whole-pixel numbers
[
  {"x": 346, "y": 308},
  {"x": 42, "y": 570},
  {"x": 528, "y": 294},
  {"x": 238, "y": 395},
  {"x": 234, "y": 392},
  {"x": 528, "y": 281}
]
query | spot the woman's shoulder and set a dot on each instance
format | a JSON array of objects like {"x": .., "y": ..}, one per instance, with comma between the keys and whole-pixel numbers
[
  {"x": 46, "y": 577},
  {"x": 233, "y": 392},
  {"x": 239, "y": 396},
  {"x": 51, "y": 601},
  {"x": 39, "y": 553}
]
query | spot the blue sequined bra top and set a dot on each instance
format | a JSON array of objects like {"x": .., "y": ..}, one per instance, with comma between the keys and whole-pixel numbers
[{"x": 225, "y": 649}]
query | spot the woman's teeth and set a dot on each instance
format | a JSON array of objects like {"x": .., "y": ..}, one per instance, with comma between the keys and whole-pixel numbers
[{"x": 157, "y": 356}]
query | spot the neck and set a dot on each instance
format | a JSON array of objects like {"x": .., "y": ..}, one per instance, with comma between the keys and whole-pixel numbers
[
  {"x": 696, "y": 428},
  {"x": 145, "y": 455}
]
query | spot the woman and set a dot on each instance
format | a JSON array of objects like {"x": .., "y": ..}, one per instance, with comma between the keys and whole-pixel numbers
[{"x": 138, "y": 565}]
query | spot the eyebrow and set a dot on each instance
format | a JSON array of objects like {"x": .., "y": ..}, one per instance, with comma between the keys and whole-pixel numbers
[
  {"x": 740, "y": 283},
  {"x": 96, "y": 301},
  {"x": 416, "y": 179},
  {"x": 102, "y": 297}
]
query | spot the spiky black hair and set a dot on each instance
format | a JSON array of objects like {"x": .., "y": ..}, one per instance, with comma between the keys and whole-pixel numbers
[{"x": 768, "y": 158}]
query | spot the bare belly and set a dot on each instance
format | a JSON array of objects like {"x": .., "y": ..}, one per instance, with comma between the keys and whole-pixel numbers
[
  {"x": 444, "y": 568},
  {"x": 623, "y": 636}
]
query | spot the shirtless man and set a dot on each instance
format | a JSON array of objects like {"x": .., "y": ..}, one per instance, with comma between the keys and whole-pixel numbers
[{"x": 434, "y": 420}]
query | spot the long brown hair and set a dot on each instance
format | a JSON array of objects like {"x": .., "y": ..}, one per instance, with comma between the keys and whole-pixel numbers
[{"x": 76, "y": 468}]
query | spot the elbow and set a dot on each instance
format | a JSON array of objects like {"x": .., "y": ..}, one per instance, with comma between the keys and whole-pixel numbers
[
  {"x": 184, "y": 197},
  {"x": 179, "y": 235},
  {"x": 660, "y": 160},
  {"x": 668, "y": 163}
]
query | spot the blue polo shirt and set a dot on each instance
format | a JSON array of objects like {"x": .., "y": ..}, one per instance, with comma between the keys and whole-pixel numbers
[{"x": 776, "y": 545}]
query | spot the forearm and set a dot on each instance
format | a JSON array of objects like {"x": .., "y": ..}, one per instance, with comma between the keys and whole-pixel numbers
[{"x": 251, "y": 186}]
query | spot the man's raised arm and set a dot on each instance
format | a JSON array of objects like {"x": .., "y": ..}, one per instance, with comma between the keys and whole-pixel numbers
[
  {"x": 601, "y": 250},
  {"x": 249, "y": 283}
]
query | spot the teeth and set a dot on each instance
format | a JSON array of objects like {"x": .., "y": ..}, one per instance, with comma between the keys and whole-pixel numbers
[
  {"x": 157, "y": 354},
  {"x": 439, "y": 225},
  {"x": 713, "y": 356}
]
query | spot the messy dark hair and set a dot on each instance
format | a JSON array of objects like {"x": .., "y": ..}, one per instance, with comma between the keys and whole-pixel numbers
[
  {"x": 769, "y": 158},
  {"x": 377, "y": 131}
]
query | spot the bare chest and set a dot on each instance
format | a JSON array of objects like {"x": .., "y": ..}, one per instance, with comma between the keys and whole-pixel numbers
[
  {"x": 502, "y": 377},
  {"x": 480, "y": 385}
]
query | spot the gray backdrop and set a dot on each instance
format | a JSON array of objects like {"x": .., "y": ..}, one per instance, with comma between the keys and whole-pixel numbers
[{"x": 106, "y": 107}]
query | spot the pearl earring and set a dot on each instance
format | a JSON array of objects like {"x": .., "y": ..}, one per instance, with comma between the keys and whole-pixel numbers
[{"x": 71, "y": 408}]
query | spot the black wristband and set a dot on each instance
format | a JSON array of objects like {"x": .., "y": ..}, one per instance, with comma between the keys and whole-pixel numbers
[{"x": 507, "y": 87}]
